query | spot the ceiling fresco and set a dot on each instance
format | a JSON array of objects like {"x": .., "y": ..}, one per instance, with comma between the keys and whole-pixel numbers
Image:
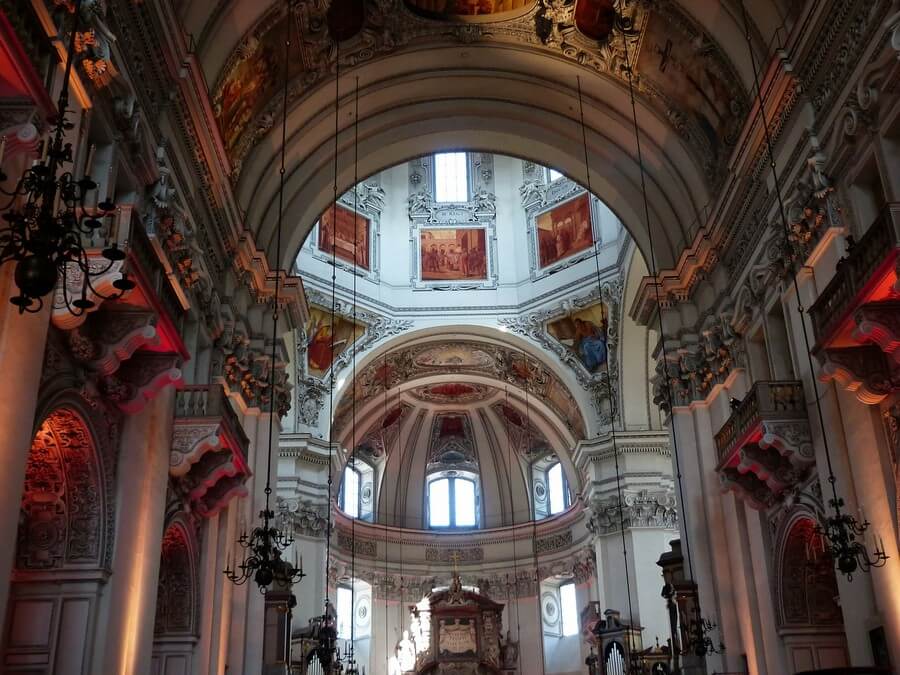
[
  {"x": 453, "y": 392},
  {"x": 461, "y": 357},
  {"x": 680, "y": 69},
  {"x": 522, "y": 434}
]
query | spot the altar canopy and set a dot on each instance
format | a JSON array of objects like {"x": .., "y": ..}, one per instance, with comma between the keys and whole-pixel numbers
[{"x": 458, "y": 631}]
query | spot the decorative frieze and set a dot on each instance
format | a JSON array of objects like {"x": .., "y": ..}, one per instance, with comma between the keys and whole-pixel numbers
[
  {"x": 454, "y": 554},
  {"x": 640, "y": 509}
]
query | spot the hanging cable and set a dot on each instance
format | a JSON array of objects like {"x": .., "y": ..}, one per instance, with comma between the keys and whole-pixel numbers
[
  {"x": 613, "y": 407},
  {"x": 328, "y": 528},
  {"x": 351, "y": 663},
  {"x": 842, "y": 528},
  {"x": 537, "y": 569},
  {"x": 512, "y": 506}
]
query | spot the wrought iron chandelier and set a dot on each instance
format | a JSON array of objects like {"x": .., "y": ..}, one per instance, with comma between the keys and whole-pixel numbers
[
  {"x": 839, "y": 533},
  {"x": 700, "y": 642},
  {"x": 264, "y": 545},
  {"x": 47, "y": 220}
]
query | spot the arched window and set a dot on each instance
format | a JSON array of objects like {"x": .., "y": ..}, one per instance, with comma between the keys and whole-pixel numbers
[
  {"x": 557, "y": 490},
  {"x": 350, "y": 492},
  {"x": 452, "y": 501},
  {"x": 568, "y": 609},
  {"x": 451, "y": 177}
]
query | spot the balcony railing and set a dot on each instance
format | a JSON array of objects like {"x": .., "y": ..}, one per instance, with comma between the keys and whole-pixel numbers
[
  {"x": 209, "y": 401},
  {"x": 855, "y": 274},
  {"x": 767, "y": 400}
]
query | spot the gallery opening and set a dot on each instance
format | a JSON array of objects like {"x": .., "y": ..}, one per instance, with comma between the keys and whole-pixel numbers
[{"x": 450, "y": 337}]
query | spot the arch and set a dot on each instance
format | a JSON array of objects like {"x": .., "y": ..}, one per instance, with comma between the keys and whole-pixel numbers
[
  {"x": 64, "y": 501},
  {"x": 807, "y": 586},
  {"x": 65, "y": 537},
  {"x": 178, "y": 593}
]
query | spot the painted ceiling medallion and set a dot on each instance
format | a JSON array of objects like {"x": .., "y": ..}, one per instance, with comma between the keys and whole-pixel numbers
[{"x": 453, "y": 392}]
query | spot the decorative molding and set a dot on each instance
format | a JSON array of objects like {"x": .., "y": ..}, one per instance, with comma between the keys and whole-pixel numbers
[
  {"x": 368, "y": 199},
  {"x": 454, "y": 554},
  {"x": 534, "y": 326},
  {"x": 640, "y": 509}
]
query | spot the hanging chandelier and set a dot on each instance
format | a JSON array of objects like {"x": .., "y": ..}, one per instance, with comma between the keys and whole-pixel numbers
[
  {"x": 263, "y": 547},
  {"x": 47, "y": 220},
  {"x": 840, "y": 532}
]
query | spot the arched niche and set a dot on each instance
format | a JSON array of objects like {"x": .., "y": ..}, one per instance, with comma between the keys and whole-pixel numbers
[
  {"x": 177, "y": 624},
  {"x": 64, "y": 542},
  {"x": 810, "y": 620}
]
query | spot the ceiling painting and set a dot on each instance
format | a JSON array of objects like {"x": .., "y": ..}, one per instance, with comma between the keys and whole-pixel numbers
[
  {"x": 327, "y": 338},
  {"x": 381, "y": 435},
  {"x": 584, "y": 334},
  {"x": 452, "y": 444},
  {"x": 523, "y": 436},
  {"x": 678, "y": 63},
  {"x": 462, "y": 357},
  {"x": 469, "y": 9},
  {"x": 453, "y": 392},
  {"x": 680, "y": 69}
]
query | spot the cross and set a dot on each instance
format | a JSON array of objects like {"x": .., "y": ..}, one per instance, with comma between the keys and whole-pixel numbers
[{"x": 455, "y": 557}]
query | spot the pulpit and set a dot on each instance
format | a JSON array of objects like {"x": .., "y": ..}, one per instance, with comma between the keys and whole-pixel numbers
[{"x": 460, "y": 631}]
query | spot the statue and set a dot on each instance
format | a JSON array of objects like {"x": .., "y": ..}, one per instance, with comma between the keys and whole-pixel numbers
[{"x": 406, "y": 653}]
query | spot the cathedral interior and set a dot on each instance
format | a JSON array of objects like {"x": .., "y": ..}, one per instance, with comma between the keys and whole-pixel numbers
[{"x": 450, "y": 337}]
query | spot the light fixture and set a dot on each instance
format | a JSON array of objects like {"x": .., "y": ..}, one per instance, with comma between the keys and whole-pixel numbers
[
  {"x": 840, "y": 532},
  {"x": 698, "y": 642},
  {"x": 263, "y": 547},
  {"x": 47, "y": 219}
]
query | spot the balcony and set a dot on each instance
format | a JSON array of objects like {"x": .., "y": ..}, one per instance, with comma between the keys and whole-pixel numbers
[
  {"x": 209, "y": 448},
  {"x": 765, "y": 446},
  {"x": 856, "y": 319}
]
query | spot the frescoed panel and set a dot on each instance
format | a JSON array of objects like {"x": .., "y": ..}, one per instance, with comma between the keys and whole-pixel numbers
[
  {"x": 564, "y": 230},
  {"x": 683, "y": 69},
  {"x": 327, "y": 340},
  {"x": 456, "y": 254},
  {"x": 448, "y": 9},
  {"x": 584, "y": 333},
  {"x": 251, "y": 80},
  {"x": 341, "y": 233}
]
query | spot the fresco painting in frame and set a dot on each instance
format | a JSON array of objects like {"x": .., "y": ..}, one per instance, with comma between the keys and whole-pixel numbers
[
  {"x": 340, "y": 232},
  {"x": 251, "y": 81},
  {"x": 453, "y": 254},
  {"x": 583, "y": 332},
  {"x": 564, "y": 230},
  {"x": 321, "y": 335},
  {"x": 684, "y": 71},
  {"x": 447, "y": 9}
]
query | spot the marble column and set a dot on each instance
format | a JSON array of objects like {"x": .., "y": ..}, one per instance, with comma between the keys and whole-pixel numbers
[
  {"x": 141, "y": 480},
  {"x": 22, "y": 341}
]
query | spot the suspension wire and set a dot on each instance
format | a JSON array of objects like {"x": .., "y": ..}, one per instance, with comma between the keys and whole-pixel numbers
[
  {"x": 268, "y": 489},
  {"x": 614, "y": 408},
  {"x": 662, "y": 336},
  {"x": 832, "y": 480},
  {"x": 353, "y": 442},
  {"x": 537, "y": 572},
  {"x": 374, "y": 503},
  {"x": 328, "y": 528},
  {"x": 514, "y": 537}
]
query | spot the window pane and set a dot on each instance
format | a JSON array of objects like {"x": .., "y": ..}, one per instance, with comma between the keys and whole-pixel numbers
[
  {"x": 344, "y": 612},
  {"x": 465, "y": 503},
  {"x": 553, "y": 174},
  {"x": 569, "y": 609},
  {"x": 451, "y": 182},
  {"x": 439, "y": 503},
  {"x": 351, "y": 492},
  {"x": 556, "y": 486}
]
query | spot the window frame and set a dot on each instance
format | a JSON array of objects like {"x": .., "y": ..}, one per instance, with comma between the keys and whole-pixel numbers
[
  {"x": 565, "y": 489},
  {"x": 451, "y": 501},
  {"x": 343, "y": 492},
  {"x": 549, "y": 175},
  {"x": 563, "y": 623},
  {"x": 434, "y": 178},
  {"x": 344, "y": 591}
]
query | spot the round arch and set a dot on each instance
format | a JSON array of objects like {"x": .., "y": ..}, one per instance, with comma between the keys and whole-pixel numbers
[{"x": 525, "y": 105}]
